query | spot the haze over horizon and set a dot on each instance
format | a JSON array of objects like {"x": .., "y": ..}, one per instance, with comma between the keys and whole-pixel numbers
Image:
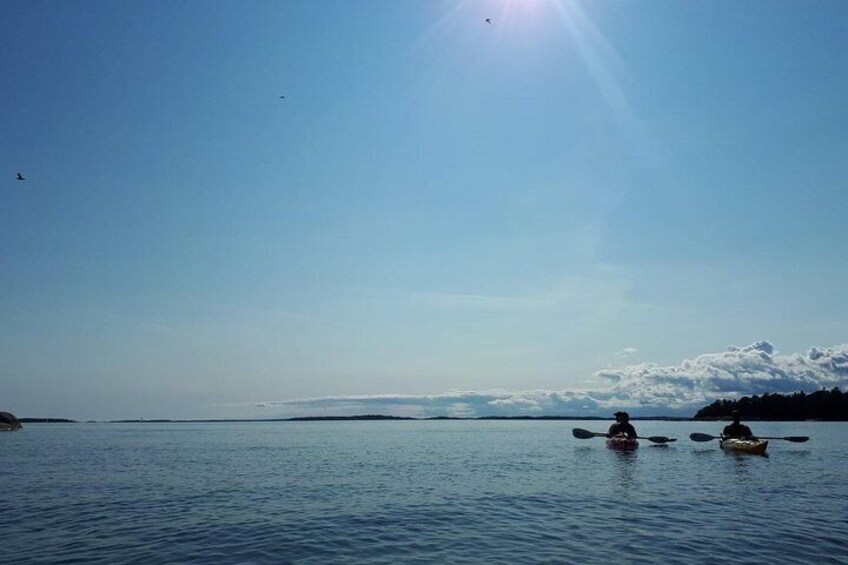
[{"x": 253, "y": 209}]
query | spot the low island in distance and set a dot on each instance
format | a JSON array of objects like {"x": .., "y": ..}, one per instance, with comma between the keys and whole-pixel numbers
[{"x": 823, "y": 405}]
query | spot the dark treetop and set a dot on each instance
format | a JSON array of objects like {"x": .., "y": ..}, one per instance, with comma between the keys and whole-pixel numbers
[{"x": 827, "y": 405}]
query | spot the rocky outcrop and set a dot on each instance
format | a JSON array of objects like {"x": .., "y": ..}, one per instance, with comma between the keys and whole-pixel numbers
[{"x": 8, "y": 422}]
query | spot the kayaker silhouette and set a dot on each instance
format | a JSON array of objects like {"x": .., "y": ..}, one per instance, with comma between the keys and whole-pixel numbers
[
  {"x": 622, "y": 426},
  {"x": 737, "y": 430}
]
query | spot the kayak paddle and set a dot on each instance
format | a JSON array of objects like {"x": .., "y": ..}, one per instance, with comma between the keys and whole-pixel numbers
[
  {"x": 586, "y": 434},
  {"x": 708, "y": 437}
]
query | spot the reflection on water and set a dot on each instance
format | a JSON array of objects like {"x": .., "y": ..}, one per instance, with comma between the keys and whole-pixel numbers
[
  {"x": 624, "y": 466},
  {"x": 742, "y": 463},
  {"x": 797, "y": 452},
  {"x": 743, "y": 457}
]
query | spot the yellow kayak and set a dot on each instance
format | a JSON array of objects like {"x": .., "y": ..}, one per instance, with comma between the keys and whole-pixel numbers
[{"x": 752, "y": 446}]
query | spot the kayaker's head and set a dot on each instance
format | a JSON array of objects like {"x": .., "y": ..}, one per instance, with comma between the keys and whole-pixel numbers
[
  {"x": 622, "y": 417},
  {"x": 735, "y": 415}
]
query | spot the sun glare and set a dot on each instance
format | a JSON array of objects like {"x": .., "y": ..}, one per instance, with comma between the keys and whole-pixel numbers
[{"x": 525, "y": 16}]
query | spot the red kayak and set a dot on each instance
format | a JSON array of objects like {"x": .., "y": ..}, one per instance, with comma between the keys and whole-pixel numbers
[{"x": 622, "y": 443}]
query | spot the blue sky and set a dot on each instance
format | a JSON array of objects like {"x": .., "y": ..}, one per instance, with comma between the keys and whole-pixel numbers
[{"x": 438, "y": 204}]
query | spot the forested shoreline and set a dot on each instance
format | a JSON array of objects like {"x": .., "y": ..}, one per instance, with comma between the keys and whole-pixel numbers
[{"x": 825, "y": 405}]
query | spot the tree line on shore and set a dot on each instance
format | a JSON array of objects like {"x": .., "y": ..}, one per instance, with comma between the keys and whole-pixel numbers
[{"x": 826, "y": 405}]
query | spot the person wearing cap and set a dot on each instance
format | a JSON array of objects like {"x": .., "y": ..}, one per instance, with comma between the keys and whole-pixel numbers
[
  {"x": 737, "y": 430},
  {"x": 622, "y": 426}
]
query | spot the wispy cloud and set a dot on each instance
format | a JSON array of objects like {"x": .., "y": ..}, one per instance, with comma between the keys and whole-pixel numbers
[
  {"x": 644, "y": 389},
  {"x": 601, "y": 290},
  {"x": 482, "y": 301}
]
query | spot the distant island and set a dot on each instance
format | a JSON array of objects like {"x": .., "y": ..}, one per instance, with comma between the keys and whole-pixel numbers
[
  {"x": 379, "y": 417},
  {"x": 360, "y": 417},
  {"x": 372, "y": 417},
  {"x": 825, "y": 405}
]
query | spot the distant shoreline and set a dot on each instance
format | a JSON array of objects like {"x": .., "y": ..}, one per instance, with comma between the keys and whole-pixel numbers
[
  {"x": 358, "y": 418},
  {"x": 380, "y": 418},
  {"x": 821, "y": 406}
]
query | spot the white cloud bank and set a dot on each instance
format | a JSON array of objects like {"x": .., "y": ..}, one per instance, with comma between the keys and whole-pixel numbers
[{"x": 643, "y": 389}]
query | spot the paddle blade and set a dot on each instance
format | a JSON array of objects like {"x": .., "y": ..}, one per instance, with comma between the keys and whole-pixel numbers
[
  {"x": 582, "y": 434},
  {"x": 701, "y": 437},
  {"x": 661, "y": 439}
]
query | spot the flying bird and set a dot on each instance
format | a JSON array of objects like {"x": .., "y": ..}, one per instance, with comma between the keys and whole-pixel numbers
[
  {"x": 283, "y": 97},
  {"x": 488, "y": 20},
  {"x": 21, "y": 177}
]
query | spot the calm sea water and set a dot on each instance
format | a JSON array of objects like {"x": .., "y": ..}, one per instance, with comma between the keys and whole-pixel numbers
[{"x": 416, "y": 492}]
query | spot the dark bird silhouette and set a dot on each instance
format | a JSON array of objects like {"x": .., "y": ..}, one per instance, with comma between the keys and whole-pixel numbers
[
  {"x": 283, "y": 97},
  {"x": 21, "y": 177},
  {"x": 488, "y": 20}
]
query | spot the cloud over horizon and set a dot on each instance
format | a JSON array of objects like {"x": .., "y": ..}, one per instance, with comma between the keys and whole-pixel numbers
[{"x": 644, "y": 389}]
